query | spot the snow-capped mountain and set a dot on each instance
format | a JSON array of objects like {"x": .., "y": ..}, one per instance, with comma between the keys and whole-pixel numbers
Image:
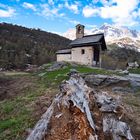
[
  {"x": 122, "y": 36},
  {"x": 112, "y": 32}
]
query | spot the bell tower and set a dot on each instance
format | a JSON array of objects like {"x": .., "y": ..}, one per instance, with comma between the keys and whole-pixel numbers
[{"x": 79, "y": 31}]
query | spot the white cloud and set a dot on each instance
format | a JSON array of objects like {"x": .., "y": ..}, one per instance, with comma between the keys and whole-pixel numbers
[
  {"x": 89, "y": 11},
  {"x": 72, "y": 7},
  {"x": 122, "y": 12},
  {"x": 47, "y": 11},
  {"x": 6, "y": 11},
  {"x": 95, "y": 1},
  {"x": 74, "y": 22},
  {"x": 139, "y": 13},
  {"x": 70, "y": 33},
  {"x": 51, "y": 2},
  {"x": 29, "y": 6}
]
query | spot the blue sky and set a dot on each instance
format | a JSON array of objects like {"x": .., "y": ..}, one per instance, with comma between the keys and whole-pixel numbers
[{"x": 60, "y": 15}]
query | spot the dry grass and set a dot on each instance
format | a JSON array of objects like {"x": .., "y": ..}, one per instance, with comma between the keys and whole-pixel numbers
[{"x": 132, "y": 106}]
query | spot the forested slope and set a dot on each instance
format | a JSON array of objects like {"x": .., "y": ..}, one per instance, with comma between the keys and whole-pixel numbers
[{"x": 20, "y": 46}]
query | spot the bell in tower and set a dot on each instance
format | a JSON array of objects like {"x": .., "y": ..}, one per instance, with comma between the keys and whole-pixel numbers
[{"x": 79, "y": 31}]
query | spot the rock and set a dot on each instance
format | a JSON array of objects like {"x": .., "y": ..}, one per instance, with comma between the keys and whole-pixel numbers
[
  {"x": 136, "y": 64},
  {"x": 122, "y": 90},
  {"x": 31, "y": 68},
  {"x": 1, "y": 69},
  {"x": 131, "y": 65},
  {"x": 105, "y": 80},
  {"x": 134, "y": 81},
  {"x": 74, "y": 65},
  {"x": 126, "y": 72},
  {"x": 57, "y": 66},
  {"x": 123, "y": 84},
  {"x": 73, "y": 71},
  {"x": 80, "y": 113}
]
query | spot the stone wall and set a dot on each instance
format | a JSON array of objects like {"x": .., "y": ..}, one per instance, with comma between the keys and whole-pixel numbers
[
  {"x": 85, "y": 58},
  {"x": 63, "y": 57}
]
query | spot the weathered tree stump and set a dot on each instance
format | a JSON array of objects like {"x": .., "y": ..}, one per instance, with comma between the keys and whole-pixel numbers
[{"x": 80, "y": 113}]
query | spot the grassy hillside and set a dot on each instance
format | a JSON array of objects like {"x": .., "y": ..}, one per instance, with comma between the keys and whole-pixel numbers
[{"x": 20, "y": 46}]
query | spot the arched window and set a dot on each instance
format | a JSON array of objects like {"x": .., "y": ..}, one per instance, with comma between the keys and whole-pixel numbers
[{"x": 79, "y": 29}]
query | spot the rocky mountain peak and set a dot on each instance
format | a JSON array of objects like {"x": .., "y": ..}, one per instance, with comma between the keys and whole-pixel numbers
[{"x": 114, "y": 34}]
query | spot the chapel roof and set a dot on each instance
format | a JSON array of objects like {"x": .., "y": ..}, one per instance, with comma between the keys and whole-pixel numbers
[{"x": 89, "y": 40}]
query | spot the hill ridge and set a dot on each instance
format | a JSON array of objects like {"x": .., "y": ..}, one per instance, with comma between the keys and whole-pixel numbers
[{"x": 20, "y": 46}]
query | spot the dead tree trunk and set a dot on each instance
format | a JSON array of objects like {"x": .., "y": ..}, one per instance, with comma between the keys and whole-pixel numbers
[{"x": 79, "y": 113}]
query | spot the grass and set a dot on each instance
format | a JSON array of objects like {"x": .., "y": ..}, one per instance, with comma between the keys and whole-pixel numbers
[
  {"x": 54, "y": 78},
  {"x": 135, "y": 70},
  {"x": 16, "y": 114},
  {"x": 132, "y": 102},
  {"x": 57, "y": 76},
  {"x": 133, "y": 99},
  {"x": 15, "y": 119},
  {"x": 84, "y": 69}
]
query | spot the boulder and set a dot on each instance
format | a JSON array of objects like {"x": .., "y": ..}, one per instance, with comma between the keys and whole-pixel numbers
[
  {"x": 131, "y": 65},
  {"x": 122, "y": 90},
  {"x": 126, "y": 72},
  {"x": 57, "y": 66},
  {"x": 104, "y": 80},
  {"x": 134, "y": 81}
]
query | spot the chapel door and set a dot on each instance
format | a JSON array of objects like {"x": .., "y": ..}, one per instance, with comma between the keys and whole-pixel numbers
[{"x": 96, "y": 56}]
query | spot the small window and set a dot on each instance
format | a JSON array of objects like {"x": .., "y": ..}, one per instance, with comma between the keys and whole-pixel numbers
[{"x": 82, "y": 51}]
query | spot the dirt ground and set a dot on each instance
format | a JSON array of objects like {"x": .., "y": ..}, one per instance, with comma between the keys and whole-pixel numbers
[
  {"x": 21, "y": 97},
  {"x": 10, "y": 87}
]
